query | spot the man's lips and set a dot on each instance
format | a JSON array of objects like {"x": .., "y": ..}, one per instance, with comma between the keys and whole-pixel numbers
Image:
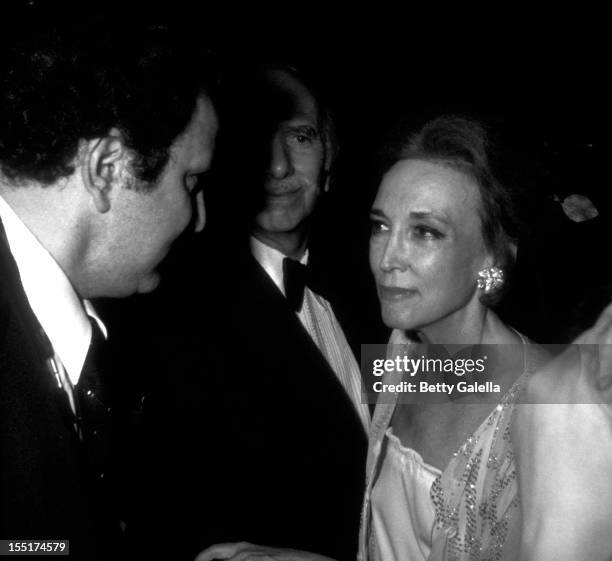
[
  {"x": 394, "y": 293},
  {"x": 285, "y": 191}
]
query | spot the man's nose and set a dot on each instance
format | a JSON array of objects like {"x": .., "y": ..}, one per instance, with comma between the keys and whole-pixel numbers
[
  {"x": 200, "y": 209},
  {"x": 281, "y": 165}
]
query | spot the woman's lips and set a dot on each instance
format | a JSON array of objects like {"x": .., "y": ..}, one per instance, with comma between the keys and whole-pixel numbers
[{"x": 394, "y": 293}]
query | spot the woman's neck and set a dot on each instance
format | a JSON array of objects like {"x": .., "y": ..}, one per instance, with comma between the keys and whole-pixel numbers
[
  {"x": 504, "y": 346},
  {"x": 463, "y": 327},
  {"x": 466, "y": 328}
]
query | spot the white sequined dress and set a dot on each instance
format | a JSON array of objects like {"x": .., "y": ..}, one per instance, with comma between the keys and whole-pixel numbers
[{"x": 475, "y": 499}]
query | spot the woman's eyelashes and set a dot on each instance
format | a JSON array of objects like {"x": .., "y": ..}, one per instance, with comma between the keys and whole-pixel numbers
[{"x": 426, "y": 232}]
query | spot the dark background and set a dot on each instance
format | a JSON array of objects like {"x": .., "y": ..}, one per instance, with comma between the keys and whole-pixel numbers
[
  {"x": 538, "y": 80},
  {"x": 538, "y": 84}
]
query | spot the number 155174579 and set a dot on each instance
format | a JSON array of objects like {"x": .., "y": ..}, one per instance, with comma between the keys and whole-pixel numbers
[{"x": 34, "y": 547}]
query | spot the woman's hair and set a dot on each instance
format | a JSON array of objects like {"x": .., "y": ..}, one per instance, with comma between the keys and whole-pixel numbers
[{"x": 464, "y": 145}]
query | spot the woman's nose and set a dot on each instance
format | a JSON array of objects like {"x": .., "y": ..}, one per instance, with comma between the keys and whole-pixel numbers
[
  {"x": 281, "y": 165},
  {"x": 394, "y": 257}
]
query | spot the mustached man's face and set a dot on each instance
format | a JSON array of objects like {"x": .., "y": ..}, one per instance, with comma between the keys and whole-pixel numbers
[{"x": 296, "y": 170}]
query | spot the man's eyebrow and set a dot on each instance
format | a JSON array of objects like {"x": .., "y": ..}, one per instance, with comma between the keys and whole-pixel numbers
[{"x": 302, "y": 127}]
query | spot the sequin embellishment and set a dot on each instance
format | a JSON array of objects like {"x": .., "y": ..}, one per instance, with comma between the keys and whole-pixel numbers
[{"x": 476, "y": 497}]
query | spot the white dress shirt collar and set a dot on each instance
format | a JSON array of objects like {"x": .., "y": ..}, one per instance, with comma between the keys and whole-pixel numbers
[
  {"x": 56, "y": 305},
  {"x": 272, "y": 261}
]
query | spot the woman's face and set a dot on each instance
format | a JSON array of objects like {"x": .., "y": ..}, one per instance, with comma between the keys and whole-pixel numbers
[{"x": 426, "y": 246}]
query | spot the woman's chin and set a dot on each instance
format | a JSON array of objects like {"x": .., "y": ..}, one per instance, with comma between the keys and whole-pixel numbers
[{"x": 397, "y": 320}]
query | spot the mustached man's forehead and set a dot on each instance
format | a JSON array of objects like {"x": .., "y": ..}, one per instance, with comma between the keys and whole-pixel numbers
[{"x": 297, "y": 100}]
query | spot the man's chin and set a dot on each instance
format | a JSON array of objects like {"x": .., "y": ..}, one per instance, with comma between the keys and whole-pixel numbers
[
  {"x": 279, "y": 222},
  {"x": 148, "y": 283}
]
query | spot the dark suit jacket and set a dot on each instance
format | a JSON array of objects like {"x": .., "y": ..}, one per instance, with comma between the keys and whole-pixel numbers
[
  {"x": 251, "y": 436},
  {"x": 46, "y": 491}
]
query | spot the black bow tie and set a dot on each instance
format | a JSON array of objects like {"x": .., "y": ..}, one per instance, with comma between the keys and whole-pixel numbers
[{"x": 295, "y": 279}]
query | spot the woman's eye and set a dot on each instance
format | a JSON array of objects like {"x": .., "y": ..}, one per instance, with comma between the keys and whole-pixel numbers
[{"x": 427, "y": 233}]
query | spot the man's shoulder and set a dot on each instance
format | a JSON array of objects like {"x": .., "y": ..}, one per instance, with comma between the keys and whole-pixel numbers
[
  {"x": 17, "y": 321},
  {"x": 19, "y": 343}
]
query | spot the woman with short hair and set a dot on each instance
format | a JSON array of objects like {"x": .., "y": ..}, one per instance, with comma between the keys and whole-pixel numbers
[{"x": 441, "y": 475}]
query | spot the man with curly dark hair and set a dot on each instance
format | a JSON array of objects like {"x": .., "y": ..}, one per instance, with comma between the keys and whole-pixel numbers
[{"x": 102, "y": 140}]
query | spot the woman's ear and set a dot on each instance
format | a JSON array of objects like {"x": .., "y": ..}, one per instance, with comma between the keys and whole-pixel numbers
[
  {"x": 105, "y": 166},
  {"x": 513, "y": 250},
  {"x": 489, "y": 261},
  {"x": 492, "y": 261}
]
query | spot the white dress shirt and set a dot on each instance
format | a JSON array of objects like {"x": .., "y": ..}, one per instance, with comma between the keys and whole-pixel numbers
[
  {"x": 57, "y": 307},
  {"x": 320, "y": 322}
]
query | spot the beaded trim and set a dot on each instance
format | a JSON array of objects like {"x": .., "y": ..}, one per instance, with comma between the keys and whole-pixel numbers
[{"x": 476, "y": 497}]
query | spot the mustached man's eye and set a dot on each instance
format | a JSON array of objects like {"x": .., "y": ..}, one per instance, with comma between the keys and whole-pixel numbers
[{"x": 302, "y": 136}]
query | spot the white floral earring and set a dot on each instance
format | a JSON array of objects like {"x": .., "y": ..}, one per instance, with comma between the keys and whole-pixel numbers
[{"x": 490, "y": 279}]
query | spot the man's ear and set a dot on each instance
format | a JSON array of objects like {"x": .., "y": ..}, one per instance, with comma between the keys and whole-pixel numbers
[{"x": 105, "y": 167}]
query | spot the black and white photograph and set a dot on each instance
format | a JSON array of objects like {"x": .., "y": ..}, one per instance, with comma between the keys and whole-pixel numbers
[{"x": 294, "y": 283}]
